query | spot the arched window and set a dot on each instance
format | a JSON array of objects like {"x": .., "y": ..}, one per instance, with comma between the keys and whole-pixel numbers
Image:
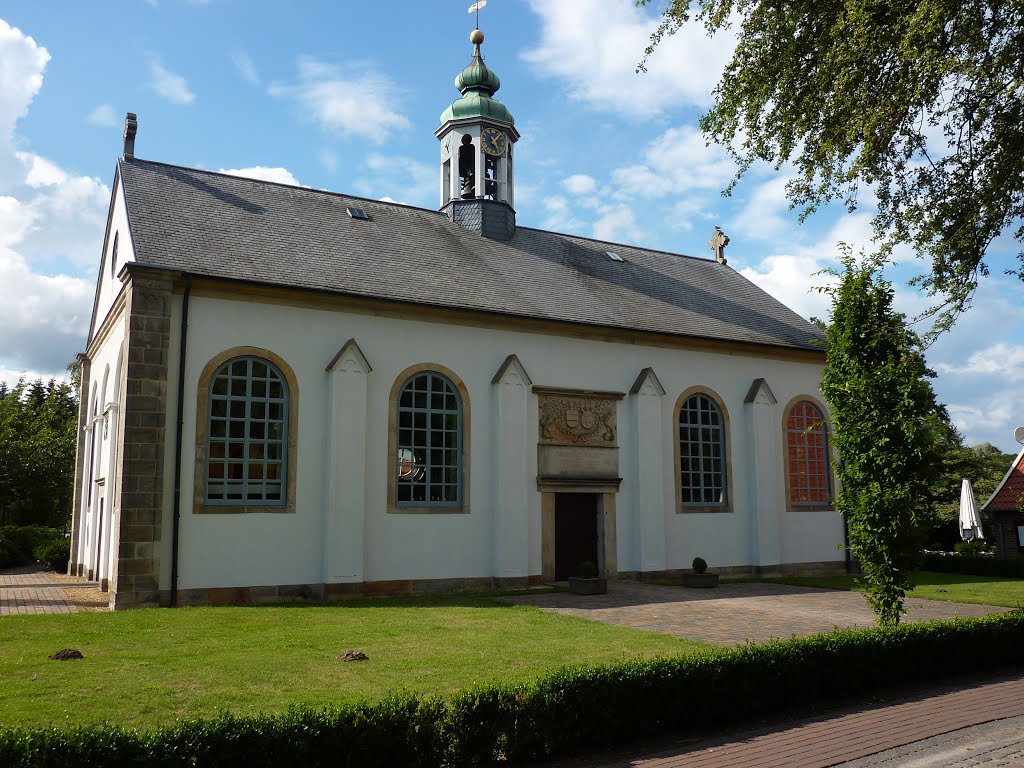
[
  {"x": 702, "y": 458},
  {"x": 807, "y": 456},
  {"x": 428, "y": 448},
  {"x": 247, "y": 435}
]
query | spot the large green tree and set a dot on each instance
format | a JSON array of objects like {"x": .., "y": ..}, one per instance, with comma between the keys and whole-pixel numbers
[
  {"x": 883, "y": 409},
  {"x": 38, "y": 425},
  {"x": 920, "y": 104}
]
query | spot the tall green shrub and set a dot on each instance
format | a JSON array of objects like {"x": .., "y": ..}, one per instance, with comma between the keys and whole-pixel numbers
[{"x": 875, "y": 382}]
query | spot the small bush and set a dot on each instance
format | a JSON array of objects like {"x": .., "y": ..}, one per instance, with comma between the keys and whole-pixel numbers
[
  {"x": 18, "y": 543},
  {"x": 54, "y": 554},
  {"x": 588, "y": 569},
  {"x": 700, "y": 565},
  {"x": 971, "y": 548}
]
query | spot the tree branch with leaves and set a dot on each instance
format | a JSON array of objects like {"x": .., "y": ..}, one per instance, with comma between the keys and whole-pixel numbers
[{"x": 919, "y": 104}]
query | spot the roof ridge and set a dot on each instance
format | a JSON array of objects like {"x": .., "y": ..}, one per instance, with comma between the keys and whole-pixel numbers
[{"x": 299, "y": 187}]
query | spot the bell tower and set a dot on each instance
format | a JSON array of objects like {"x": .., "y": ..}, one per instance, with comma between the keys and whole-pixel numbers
[{"x": 477, "y": 134}]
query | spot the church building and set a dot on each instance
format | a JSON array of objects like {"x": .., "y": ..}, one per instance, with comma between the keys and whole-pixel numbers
[{"x": 293, "y": 394}]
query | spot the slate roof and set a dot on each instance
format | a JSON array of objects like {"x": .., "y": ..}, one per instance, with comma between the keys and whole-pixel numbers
[
  {"x": 1008, "y": 494},
  {"x": 229, "y": 227}
]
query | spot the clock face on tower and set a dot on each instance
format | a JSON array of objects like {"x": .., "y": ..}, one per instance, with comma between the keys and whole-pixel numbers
[{"x": 493, "y": 141}]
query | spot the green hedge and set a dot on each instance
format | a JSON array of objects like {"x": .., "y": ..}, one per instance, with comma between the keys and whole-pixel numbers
[
  {"x": 565, "y": 712},
  {"x": 27, "y": 544},
  {"x": 1011, "y": 568}
]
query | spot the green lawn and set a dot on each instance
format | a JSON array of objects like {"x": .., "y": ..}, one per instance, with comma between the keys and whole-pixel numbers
[
  {"x": 951, "y": 587},
  {"x": 148, "y": 667}
]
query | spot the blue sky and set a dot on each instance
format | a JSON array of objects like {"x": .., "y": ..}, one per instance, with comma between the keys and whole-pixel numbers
[{"x": 345, "y": 96}]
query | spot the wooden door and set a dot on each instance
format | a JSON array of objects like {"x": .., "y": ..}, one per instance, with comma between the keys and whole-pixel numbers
[{"x": 576, "y": 533}]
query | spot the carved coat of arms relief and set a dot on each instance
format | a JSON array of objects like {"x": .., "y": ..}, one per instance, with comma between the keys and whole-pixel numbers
[{"x": 577, "y": 420}]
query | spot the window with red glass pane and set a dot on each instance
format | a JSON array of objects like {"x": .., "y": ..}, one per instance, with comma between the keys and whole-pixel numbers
[{"x": 807, "y": 456}]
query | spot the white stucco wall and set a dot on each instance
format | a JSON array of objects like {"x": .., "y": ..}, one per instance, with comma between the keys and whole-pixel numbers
[
  {"x": 273, "y": 549},
  {"x": 109, "y": 286}
]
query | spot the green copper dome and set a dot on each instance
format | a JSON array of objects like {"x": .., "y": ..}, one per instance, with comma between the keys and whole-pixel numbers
[
  {"x": 477, "y": 77},
  {"x": 477, "y": 84}
]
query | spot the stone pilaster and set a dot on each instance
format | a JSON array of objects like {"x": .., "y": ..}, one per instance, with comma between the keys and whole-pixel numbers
[
  {"x": 81, "y": 468},
  {"x": 766, "y": 491},
  {"x": 139, "y": 496},
  {"x": 649, "y": 465},
  {"x": 346, "y": 461},
  {"x": 511, "y": 503}
]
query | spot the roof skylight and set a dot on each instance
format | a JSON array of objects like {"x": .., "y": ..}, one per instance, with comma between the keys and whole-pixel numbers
[
  {"x": 614, "y": 256},
  {"x": 357, "y": 213}
]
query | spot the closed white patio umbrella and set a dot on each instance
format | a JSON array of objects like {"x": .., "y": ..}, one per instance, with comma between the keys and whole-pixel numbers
[{"x": 970, "y": 523}]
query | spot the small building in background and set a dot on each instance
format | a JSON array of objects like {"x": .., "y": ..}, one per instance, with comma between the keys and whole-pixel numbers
[{"x": 1004, "y": 507}]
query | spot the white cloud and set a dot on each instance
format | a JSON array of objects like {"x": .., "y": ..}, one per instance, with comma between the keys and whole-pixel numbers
[
  {"x": 679, "y": 160},
  {"x": 263, "y": 173},
  {"x": 579, "y": 184},
  {"x": 787, "y": 277},
  {"x": 50, "y": 221},
  {"x": 559, "y": 215},
  {"x": 685, "y": 211},
  {"x": 764, "y": 216},
  {"x": 170, "y": 86},
  {"x": 351, "y": 101},
  {"x": 44, "y": 318},
  {"x": 22, "y": 63},
  {"x": 398, "y": 179},
  {"x": 12, "y": 375},
  {"x": 245, "y": 67},
  {"x": 616, "y": 225},
  {"x": 103, "y": 115},
  {"x": 1002, "y": 359},
  {"x": 329, "y": 160},
  {"x": 594, "y": 46},
  {"x": 988, "y": 417}
]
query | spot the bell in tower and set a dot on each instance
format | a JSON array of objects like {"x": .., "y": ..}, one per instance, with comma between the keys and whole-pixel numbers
[{"x": 477, "y": 134}]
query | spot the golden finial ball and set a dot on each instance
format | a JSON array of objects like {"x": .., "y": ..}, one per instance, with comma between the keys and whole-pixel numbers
[{"x": 476, "y": 37}]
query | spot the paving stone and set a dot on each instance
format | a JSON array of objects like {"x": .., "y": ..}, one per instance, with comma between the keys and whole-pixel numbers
[
  {"x": 31, "y": 590},
  {"x": 732, "y": 614}
]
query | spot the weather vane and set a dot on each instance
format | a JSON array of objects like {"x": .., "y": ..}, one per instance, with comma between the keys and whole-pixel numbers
[{"x": 475, "y": 8}]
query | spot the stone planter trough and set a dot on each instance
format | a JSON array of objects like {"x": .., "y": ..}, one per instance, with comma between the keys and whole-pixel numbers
[
  {"x": 700, "y": 580},
  {"x": 581, "y": 586}
]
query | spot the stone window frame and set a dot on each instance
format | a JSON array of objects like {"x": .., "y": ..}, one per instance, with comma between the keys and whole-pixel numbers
[
  {"x": 682, "y": 508},
  {"x": 199, "y": 503},
  {"x": 830, "y": 484},
  {"x": 393, "y": 506}
]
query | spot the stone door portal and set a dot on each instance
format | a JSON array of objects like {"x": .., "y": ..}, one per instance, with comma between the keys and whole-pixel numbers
[{"x": 576, "y": 532}]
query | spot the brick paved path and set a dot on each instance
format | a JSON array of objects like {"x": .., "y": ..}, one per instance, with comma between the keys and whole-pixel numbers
[
  {"x": 821, "y": 742},
  {"x": 734, "y": 613},
  {"x": 31, "y": 590}
]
